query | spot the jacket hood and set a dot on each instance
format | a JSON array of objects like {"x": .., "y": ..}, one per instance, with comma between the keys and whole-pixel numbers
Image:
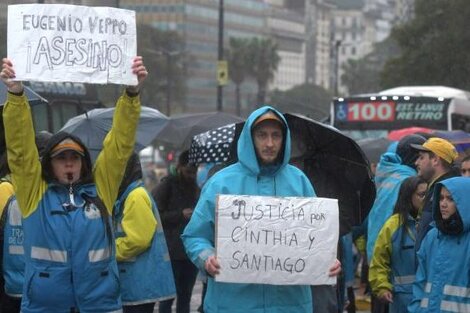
[
  {"x": 458, "y": 188},
  {"x": 246, "y": 148},
  {"x": 86, "y": 175},
  {"x": 133, "y": 172}
]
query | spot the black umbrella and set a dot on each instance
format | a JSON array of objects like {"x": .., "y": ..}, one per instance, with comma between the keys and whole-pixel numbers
[
  {"x": 212, "y": 146},
  {"x": 334, "y": 163},
  {"x": 93, "y": 126},
  {"x": 374, "y": 147},
  {"x": 181, "y": 128},
  {"x": 336, "y": 166}
]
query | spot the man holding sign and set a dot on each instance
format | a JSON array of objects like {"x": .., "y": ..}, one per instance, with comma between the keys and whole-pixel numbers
[{"x": 262, "y": 170}]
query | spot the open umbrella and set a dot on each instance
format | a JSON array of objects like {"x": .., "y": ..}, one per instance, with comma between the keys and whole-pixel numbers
[
  {"x": 334, "y": 163},
  {"x": 398, "y": 134},
  {"x": 213, "y": 146},
  {"x": 336, "y": 166},
  {"x": 459, "y": 138},
  {"x": 92, "y": 127},
  {"x": 33, "y": 97},
  {"x": 374, "y": 147},
  {"x": 181, "y": 128}
]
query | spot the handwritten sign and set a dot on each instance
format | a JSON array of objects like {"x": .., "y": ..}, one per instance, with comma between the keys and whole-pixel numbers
[
  {"x": 276, "y": 240},
  {"x": 55, "y": 42}
]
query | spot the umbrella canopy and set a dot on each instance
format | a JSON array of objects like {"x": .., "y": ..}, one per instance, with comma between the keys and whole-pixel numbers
[
  {"x": 334, "y": 163},
  {"x": 374, "y": 147},
  {"x": 181, "y": 128},
  {"x": 93, "y": 126},
  {"x": 459, "y": 138},
  {"x": 398, "y": 134},
  {"x": 336, "y": 166},
  {"x": 33, "y": 97},
  {"x": 213, "y": 146}
]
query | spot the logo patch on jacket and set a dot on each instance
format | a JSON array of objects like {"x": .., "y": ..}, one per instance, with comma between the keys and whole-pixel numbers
[{"x": 92, "y": 212}]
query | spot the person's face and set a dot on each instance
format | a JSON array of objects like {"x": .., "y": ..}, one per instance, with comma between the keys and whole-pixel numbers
[
  {"x": 417, "y": 199},
  {"x": 465, "y": 168},
  {"x": 267, "y": 137},
  {"x": 425, "y": 166},
  {"x": 446, "y": 204},
  {"x": 67, "y": 167},
  {"x": 189, "y": 172}
]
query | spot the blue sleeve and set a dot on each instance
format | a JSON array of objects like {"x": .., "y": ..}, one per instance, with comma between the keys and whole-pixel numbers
[
  {"x": 198, "y": 236},
  {"x": 420, "y": 278}
]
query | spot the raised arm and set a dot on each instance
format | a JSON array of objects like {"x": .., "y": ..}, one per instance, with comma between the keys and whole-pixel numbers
[
  {"x": 23, "y": 158},
  {"x": 119, "y": 142}
]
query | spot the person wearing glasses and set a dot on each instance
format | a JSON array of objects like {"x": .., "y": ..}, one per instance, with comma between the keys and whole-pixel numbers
[
  {"x": 392, "y": 269},
  {"x": 465, "y": 166}
]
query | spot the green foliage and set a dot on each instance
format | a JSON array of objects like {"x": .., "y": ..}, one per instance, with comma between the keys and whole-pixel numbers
[
  {"x": 306, "y": 99},
  {"x": 262, "y": 61},
  {"x": 236, "y": 57},
  {"x": 434, "y": 46},
  {"x": 363, "y": 75},
  {"x": 154, "y": 44}
]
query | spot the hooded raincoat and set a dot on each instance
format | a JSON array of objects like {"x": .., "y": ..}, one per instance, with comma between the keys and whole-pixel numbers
[
  {"x": 69, "y": 248},
  {"x": 393, "y": 263},
  {"x": 443, "y": 276},
  {"x": 143, "y": 260},
  {"x": 388, "y": 178},
  {"x": 248, "y": 178}
]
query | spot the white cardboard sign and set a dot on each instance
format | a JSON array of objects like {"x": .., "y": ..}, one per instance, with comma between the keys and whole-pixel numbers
[
  {"x": 276, "y": 240},
  {"x": 57, "y": 42}
]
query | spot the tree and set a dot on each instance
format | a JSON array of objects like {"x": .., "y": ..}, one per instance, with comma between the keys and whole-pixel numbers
[
  {"x": 435, "y": 47},
  {"x": 363, "y": 75},
  {"x": 237, "y": 60},
  {"x": 262, "y": 61},
  {"x": 164, "y": 72},
  {"x": 307, "y": 99}
]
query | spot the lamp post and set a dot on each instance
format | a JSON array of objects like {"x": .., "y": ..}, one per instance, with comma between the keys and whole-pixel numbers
[
  {"x": 220, "y": 56},
  {"x": 336, "y": 69},
  {"x": 169, "y": 73}
]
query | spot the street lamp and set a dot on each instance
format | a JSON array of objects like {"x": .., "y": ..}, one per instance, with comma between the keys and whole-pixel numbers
[
  {"x": 220, "y": 56},
  {"x": 336, "y": 69},
  {"x": 169, "y": 75}
]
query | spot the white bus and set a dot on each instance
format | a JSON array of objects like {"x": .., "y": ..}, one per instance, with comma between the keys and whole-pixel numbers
[{"x": 374, "y": 115}]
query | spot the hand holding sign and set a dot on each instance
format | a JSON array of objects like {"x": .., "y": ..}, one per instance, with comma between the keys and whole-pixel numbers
[
  {"x": 212, "y": 266},
  {"x": 8, "y": 74},
  {"x": 139, "y": 69}
]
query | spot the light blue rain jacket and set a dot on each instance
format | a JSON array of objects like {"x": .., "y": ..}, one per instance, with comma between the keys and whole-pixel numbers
[
  {"x": 247, "y": 178},
  {"x": 388, "y": 178},
  {"x": 443, "y": 276},
  {"x": 13, "y": 251}
]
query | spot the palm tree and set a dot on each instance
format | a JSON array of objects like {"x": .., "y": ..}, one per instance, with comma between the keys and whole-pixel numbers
[
  {"x": 263, "y": 60},
  {"x": 236, "y": 57}
]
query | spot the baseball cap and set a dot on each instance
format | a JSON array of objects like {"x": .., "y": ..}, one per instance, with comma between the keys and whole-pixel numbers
[
  {"x": 440, "y": 147},
  {"x": 67, "y": 144},
  {"x": 269, "y": 115}
]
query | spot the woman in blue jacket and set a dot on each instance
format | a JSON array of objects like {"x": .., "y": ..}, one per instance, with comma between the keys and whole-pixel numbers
[
  {"x": 443, "y": 276},
  {"x": 392, "y": 270},
  {"x": 66, "y": 205}
]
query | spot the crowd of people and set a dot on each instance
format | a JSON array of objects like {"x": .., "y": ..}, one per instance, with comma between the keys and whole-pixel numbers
[{"x": 92, "y": 238}]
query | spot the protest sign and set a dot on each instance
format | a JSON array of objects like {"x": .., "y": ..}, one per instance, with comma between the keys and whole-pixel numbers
[
  {"x": 276, "y": 240},
  {"x": 56, "y": 43}
]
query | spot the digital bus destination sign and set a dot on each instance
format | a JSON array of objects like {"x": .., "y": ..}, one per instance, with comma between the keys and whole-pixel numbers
[{"x": 388, "y": 114}]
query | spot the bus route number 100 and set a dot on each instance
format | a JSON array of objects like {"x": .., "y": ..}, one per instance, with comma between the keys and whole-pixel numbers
[{"x": 378, "y": 111}]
